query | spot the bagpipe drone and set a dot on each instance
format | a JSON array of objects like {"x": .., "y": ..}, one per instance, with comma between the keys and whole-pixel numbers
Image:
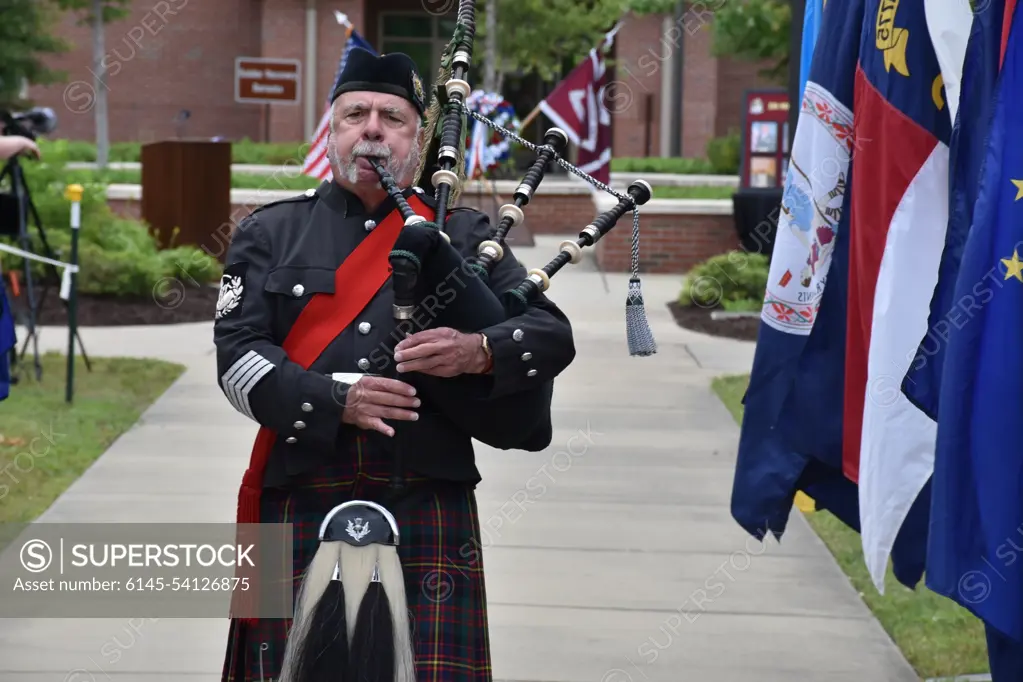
[{"x": 351, "y": 620}]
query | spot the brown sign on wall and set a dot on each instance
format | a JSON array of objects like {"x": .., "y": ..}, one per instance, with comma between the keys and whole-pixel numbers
[{"x": 266, "y": 81}]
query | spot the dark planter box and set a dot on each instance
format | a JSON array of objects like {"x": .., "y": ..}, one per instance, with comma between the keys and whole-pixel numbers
[{"x": 756, "y": 213}]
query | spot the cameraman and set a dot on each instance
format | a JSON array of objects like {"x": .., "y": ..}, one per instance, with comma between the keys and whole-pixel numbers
[{"x": 16, "y": 144}]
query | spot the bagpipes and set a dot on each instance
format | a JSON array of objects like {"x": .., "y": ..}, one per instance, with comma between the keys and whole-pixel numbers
[{"x": 351, "y": 618}]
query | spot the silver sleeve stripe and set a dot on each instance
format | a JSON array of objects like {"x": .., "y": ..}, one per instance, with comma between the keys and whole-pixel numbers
[{"x": 242, "y": 377}]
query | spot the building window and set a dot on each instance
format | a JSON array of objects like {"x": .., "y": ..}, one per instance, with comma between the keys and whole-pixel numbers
[{"x": 422, "y": 37}]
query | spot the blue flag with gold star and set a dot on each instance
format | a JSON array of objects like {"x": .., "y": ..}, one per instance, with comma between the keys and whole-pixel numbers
[{"x": 976, "y": 536}]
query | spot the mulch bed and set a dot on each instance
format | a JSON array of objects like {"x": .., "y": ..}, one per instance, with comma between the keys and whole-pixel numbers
[
  {"x": 698, "y": 319},
  {"x": 174, "y": 303}
]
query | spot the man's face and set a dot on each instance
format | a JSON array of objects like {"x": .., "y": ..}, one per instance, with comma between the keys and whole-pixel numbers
[{"x": 373, "y": 124}]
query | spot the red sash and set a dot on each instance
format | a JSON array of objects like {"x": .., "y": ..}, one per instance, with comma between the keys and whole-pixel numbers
[{"x": 356, "y": 282}]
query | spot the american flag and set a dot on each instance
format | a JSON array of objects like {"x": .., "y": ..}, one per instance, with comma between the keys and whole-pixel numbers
[{"x": 316, "y": 163}]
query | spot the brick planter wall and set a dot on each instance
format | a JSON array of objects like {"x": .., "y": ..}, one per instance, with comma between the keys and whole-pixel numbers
[
  {"x": 674, "y": 234},
  {"x": 558, "y": 207}
]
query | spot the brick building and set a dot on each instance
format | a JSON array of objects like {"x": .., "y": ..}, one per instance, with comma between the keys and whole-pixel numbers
[{"x": 169, "y": 56}]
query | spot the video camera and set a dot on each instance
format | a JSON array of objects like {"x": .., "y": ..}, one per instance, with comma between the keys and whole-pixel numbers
[{"x": 35, "y": 121}]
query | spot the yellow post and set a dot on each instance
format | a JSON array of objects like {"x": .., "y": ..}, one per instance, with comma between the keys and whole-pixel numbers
[
  {"x": 74, "y": 194},
  {"x": 804, "y": 502}
]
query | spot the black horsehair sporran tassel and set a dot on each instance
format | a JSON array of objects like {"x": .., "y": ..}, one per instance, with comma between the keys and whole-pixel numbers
[
  {"x": 637, "y": 327},
  {"x": 372, "y": 654},
  {"x": 351, "y": 617}
]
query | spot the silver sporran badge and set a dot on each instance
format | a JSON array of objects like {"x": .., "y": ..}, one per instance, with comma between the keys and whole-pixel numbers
[{"x": 359, "y": 529}]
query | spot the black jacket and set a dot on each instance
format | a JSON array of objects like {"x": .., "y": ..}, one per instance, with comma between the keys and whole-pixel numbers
[{"x": 287, "y": 251}]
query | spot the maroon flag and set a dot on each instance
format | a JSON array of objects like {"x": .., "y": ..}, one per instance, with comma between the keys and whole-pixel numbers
[{"x": 576, "y": 106}]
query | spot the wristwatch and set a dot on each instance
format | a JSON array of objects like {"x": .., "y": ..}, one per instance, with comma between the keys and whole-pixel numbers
[{"x": 485, "y": 343}]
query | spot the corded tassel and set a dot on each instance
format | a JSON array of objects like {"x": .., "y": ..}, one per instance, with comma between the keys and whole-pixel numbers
[
  {"x": 637, "y": 328},
  {"x": 641, "y": 339}
]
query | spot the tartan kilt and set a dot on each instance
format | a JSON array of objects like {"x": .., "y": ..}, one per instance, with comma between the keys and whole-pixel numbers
[{"x": 441, "y": 557}]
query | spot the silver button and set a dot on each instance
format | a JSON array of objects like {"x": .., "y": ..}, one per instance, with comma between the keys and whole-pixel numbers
[
  {"x": 517, "y": 334},
  {"x": 310, "y": 192},
  {"x": 306, "y": 407},
  {"x": 291, "y": 439},
  {"x": 419, "y": 190},
  {"x": 299, "y": 425},
  {"x": 526, "y": 357},
  {"x": 365, "y": 327},
  {"x": 370, "y": 225},
  {"x": 297, "y": 290},
  {"x": 363, "y": 364},
  {"x": 531, "y": 373}
]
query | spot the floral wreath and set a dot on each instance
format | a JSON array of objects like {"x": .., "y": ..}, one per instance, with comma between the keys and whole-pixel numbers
[{"x": 484, "y": 147}]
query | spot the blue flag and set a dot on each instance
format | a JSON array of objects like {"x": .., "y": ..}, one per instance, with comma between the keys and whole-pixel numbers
[
  {"x": 811, "y": 29},
  {"x": 976, "y": 537},
  {"x": 8, "y": 340},
  {"x": 922, "y": 383}
]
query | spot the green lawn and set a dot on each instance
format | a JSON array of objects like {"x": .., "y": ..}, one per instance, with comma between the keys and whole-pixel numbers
[
  {"x": 46, "y": 444},
  {"x": 937, "y": 636},
  {"x": 291, "y": 179},
  {"x": 699, "y": 192}
]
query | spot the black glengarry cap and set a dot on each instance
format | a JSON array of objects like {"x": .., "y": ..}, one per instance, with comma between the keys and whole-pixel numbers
[{"x": 392, "y": 74}]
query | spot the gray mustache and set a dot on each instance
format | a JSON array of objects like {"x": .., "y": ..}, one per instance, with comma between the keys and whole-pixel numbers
[{"x": 380, "y": 151}]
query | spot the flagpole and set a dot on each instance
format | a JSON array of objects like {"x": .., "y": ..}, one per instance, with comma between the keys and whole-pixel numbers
[{"x": 529, "y": 119}]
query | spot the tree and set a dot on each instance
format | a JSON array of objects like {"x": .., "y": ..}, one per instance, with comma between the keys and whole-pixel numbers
[
  {"x": 490, "y": 55},
  {"x": 25, "y": 38},
  {"x": 538, "y": 36},
  {"x": 754, "y": 30},
  {"x": 98, "y": 13}
]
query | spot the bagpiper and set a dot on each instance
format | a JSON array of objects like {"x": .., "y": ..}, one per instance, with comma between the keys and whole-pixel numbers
[{"x": 327, "y": 420}]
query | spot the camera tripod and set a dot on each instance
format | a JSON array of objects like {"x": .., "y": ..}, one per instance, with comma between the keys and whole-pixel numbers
[{"x": 24, "y": 205}]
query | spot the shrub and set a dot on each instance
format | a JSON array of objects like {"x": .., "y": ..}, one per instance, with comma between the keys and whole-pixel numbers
[
  {"x": 242, "y": 151},
  {"x": 653, "y": 164},
  {"x": 117, "y": 256},
  {"x": 724, "y": 153},
  {"x": 80, "y": 150},
  {"x": 734, "y": 281},
  {"x": 269, "y": 153}
]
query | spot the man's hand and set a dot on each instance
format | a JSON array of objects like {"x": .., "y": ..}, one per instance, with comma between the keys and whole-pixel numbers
[
  {"x": 16, "y": 144},
  {"x": 441, "y": 352},
  {"x": 373, "y": 399}
]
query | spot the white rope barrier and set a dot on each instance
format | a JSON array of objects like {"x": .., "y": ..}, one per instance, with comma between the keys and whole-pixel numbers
[{"x": 67, "y": 268}]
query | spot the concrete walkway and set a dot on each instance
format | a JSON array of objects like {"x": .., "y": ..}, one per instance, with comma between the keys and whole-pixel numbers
[{"x": 610, "y": 557}]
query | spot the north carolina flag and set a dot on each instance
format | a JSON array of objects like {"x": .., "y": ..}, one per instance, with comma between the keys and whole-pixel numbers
[
  {"x": 898, "y": 218},
  {"x": 976, "y": 540}
]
